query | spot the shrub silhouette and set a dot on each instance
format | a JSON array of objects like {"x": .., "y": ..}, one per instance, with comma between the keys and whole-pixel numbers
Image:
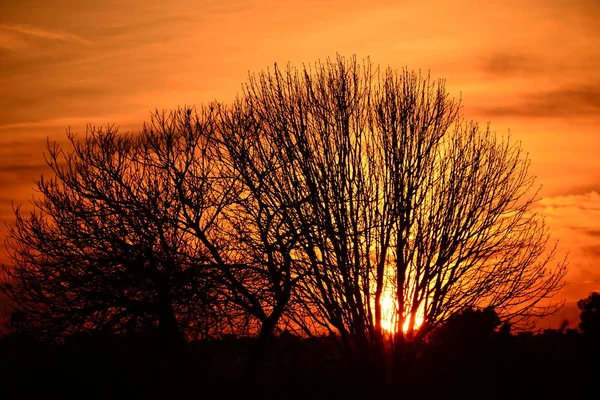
[{"x": 590, "y": 315}]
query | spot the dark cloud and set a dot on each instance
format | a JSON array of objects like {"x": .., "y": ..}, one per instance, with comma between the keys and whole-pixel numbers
[
  {"x": 22, "y": 169},
  {"x": 588, "y": 231},
  {"x": 593, "y": 250},
  {"x": 506, "y": 64},
  {"x": 568, "y": 101}
]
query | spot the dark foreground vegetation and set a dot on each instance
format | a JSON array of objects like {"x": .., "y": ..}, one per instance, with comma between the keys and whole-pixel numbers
[{"x": 470, "y": 356}]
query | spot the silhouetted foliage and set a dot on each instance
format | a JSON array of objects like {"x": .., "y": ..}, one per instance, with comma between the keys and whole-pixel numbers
[
  {"x": 466, "y": 337},
  {"x": 468, "y": 325},
  {"x": 590, "y": 315},
  {"x": 108, "y": 365}
]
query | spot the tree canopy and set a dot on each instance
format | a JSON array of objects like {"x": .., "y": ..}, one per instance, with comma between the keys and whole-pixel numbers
[{"x": 590, "y": 315}]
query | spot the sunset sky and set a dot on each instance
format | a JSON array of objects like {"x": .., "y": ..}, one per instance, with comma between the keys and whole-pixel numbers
[{"x": 528, "y": 66}]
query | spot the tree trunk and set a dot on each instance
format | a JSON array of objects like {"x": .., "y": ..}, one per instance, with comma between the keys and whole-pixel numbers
[
  {"x": 261, "y": 348},
  {"x": 171, "y": 348}
]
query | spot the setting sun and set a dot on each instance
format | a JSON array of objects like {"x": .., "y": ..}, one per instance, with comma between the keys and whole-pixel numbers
[
  {"x": 389, "y": 317},
  {"x": 388, "y": 313}
]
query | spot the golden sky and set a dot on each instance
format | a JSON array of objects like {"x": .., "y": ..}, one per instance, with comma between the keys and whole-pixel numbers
[{"x": 528, "y": 66}]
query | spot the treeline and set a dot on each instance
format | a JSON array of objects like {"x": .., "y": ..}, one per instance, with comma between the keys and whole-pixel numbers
[
  {"x": 338, "y": 200},
  {"x": 470, "y": 355}
]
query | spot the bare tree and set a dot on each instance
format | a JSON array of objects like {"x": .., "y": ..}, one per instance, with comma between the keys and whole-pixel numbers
[
  {"x": 104, "y": 249},
  {"x": 154, "y": 229},
  {"x": 400, "y": 214}
]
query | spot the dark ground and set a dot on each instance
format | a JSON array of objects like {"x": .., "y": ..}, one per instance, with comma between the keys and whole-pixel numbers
[{"x": 549, "y": 365}]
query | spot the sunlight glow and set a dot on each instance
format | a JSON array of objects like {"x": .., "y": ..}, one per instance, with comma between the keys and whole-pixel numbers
[
  {"x": 388, "y": 312},
  {"x": 418, "y": 322},
  {"x": 389, "y": 316}
]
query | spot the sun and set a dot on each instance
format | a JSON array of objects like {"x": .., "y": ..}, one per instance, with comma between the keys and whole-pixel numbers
[{"x": 389, "y": 315}]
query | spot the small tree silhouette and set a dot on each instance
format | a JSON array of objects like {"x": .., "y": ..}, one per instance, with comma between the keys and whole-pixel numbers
[
  {"x": 590, "y": 315},
  {"x": 148, "y": 230},
  {"x": 468, "y": 326},
  {"x": 104, "y": 247}
]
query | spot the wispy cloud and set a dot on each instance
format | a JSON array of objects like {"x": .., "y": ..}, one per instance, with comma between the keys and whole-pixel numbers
[
  {"x": 594, "y": 232},
  {"x": 574, "y": 220},
  {"x": 506, "y": 64},
  {"x": 592, "y": 250},
  {"x": 566, "y": 101},
  {"x": 588, "y": 202},
  {"x": 16, "y": 36}
]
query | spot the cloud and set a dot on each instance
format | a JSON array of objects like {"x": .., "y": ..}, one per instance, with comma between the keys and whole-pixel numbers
[
  {"x": 574, "y": 221},
  {"x": 28, "y": 30},
  {"x": 588, "y": 202},
  {"x": 11, "y": 172},
  {"x": 9, "y": 41},
  {"x": 567, "y": 101},
  {"x": 594, "y": 232},
  {"x": 16, "y": 36},
  {"x": 20, "y": 163},
  {"x": 593, "y": 250},
  {"x": 505, "y": 64}
]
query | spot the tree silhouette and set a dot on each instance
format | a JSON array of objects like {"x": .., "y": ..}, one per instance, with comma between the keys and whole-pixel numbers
[
  {"x": 142, "y": 231},
  {"x": 467, "y": 327},
  {"x": 388, "y": 193},
  {"x": 590, "y": 315},
  {"x": 103, "y": 248}
]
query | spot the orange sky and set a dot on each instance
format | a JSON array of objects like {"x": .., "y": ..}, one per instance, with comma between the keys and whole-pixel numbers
[{"x": 528, "y": 66}]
